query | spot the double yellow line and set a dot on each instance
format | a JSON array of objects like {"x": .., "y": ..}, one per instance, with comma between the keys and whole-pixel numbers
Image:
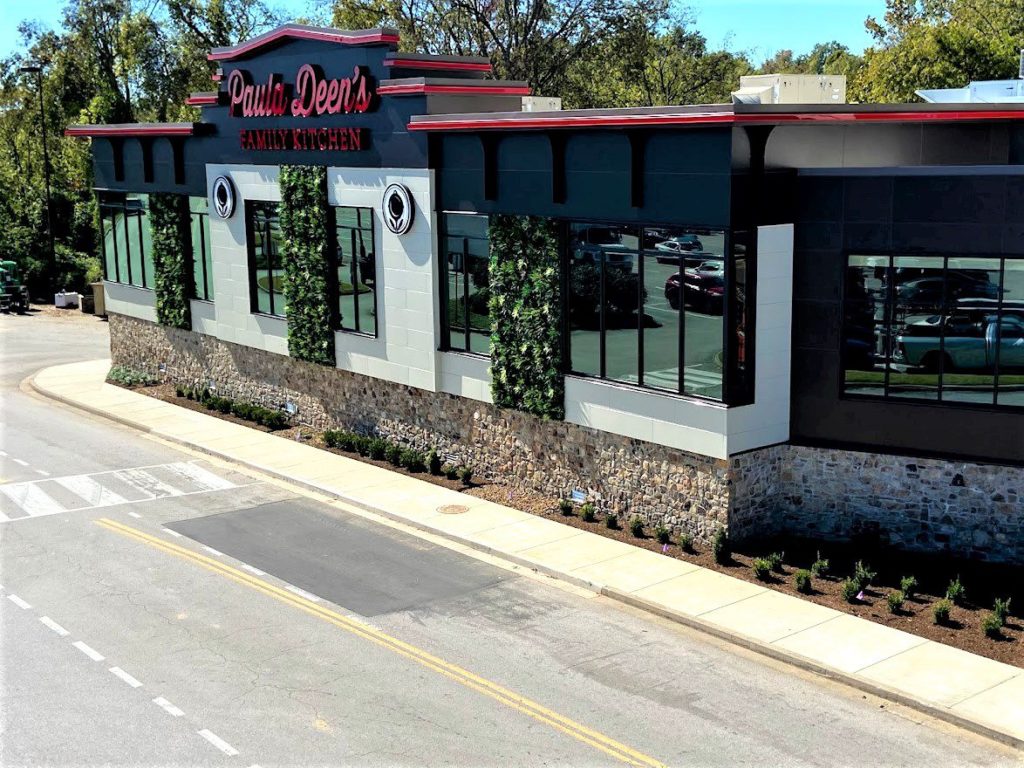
[{"x": 451, "y": 671}]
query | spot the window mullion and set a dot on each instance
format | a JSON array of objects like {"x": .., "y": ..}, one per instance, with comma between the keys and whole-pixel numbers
[
  {"x": 601, "y": 316},
  {"x": 127, "y": 244},
  {"x": 681, "y": 322},
  {"x": 999, "y": 332},
  {"x": 640, "y": 313}
]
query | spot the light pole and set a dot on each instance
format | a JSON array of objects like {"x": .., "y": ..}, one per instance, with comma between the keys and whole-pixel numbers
[{"x": 37, "y": 70}]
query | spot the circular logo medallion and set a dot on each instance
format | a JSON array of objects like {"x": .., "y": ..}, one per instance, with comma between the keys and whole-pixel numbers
[
  {"x": 397, "y": 209},
  {"x": 223, "y": 197}
]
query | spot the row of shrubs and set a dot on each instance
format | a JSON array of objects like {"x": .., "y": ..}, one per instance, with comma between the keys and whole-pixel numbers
[
  {"x": 267, "y": 417},
  {"x": 129, "y": 377},
  {"x": 398, "y": 455}
]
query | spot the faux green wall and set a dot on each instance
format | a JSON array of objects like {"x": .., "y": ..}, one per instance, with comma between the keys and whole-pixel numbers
[
  {"x": 172, "y": 258},
  {"x": 304, "y": 226}
]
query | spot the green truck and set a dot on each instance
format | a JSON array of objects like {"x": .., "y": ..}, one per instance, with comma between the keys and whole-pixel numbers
[{"x": 13, "y": 293}]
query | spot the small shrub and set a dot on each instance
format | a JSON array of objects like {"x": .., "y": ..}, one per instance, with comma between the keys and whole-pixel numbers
[
  {"x": 450, "y": 471},
  {"x": 686, "y": 542},
  {"x": 271, "y": 419},
  {"x": 362, "y": 445},
  {"x": 190, "y": 393},
  {"x": 392, "y": 453},
  {"x": 466, "y": 475},
  {"x": 611, "y": 521},
  {"x": 636, "y": 526},
  {"x": 849, "y": 590},
  {"x": 433, "y": 462},
  {"x": 179, "y": 391},
  {"x": 588, "y": 513},
  {"x": 720, "y": 547},
  {"x": 819, "y": 567},
  {"x": 863, "y": 575},
  {"x": 775, "y": 561},
  {"x": 762, "y": 568},
  {"x": 565, "y": 507},
  {"x": 895, "y": 601},
  {"x": 941, "y": 611},
  {"x": 992, "y": 626},
  {"x": 908, "y": 586},
  {"x": 347, "y": 441},
  {"x": 802, "y": 580},
  {"x": 956, "y": 592},
  {"x": 663, "y": 534},
  {"x": 412, "y": 460},
  {"x": 1001, "y": 608},
  {"x": 128, "y": 377}
]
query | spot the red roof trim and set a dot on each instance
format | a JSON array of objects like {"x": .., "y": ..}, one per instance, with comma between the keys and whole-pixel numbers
[
  {"x": 477, "y": 90},
  {"x": 202, "y": 99},
  {"x": 705, "y": 118},
  {"x": 242, "y": 49},
  {"x": 130, "y": 129},
  {"x": 461, "y": 66}
]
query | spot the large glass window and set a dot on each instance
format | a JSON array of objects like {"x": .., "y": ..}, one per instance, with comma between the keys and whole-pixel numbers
[
  {"x": 467, "y": 283},
  {"x": 127, "y": 244},
  {"x": 645, "y": 306},
  {"x": 935, "y": 328},
  {"x": 266, "y": 270},
  {"x": 356, "y": 270},
  {"x": 202, "y": 264}
]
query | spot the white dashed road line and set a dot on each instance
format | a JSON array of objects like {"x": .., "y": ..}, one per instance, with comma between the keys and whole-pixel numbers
[
  {"x": 165, "y": 705},
  {"x": 42, "y": 472},
  {"x": 48, "y": 622},
  {"x": 254, "y": 571},
  {"x": 175, "y": 534},
  {"x": 90, "y": 652},
  {"x": 218, "y": 742},
  {"x": 134, "y": 514},
  {"x": 213, "y": 551},
  {"x": 120, "y": 673},
  {"x": 302, "y": 593},
  {"x": 18, "y": 601},
  {"x": 20, "y": 462}
]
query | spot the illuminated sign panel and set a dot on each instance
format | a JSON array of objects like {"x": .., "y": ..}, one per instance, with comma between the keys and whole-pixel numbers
[{"x": 313, "y": 94}]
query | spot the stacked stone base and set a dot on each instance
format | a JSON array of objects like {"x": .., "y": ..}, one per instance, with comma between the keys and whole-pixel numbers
[{"x": 807, "y": 491}]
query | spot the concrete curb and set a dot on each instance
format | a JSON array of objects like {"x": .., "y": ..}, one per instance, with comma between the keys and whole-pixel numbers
[{"x": 693, "y": 622}]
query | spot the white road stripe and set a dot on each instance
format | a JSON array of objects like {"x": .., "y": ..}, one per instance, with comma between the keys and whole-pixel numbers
[
  {"x": 3, "y": 454},
  {"x": 18, "y": 601},
  {"x": 218, "y": 742},
  {"x": 146, "y": 482},
  {"x": 90, "y": 490},
  {"x": 42, "y": 472},
  {"x": 118, "y": 672},
  {"x": 20, "y": 462},
  {"x": 165, "y": 705},
  {"x": 48, "y": 622},
  {"x": 199, "y": 476},
  {"x": 254, "y": 571},
  {"x": 302, "y": 593},
  {"x": 134, "y": 514},
  {"x": 175, "y": 534},
  {"x": 32, "y": 499},
  {"x": 91, "y": 653},
  {"x": 213, "y": 551}
]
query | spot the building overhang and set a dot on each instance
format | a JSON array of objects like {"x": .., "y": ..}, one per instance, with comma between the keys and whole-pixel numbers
[{"x": 131, "y": 129}]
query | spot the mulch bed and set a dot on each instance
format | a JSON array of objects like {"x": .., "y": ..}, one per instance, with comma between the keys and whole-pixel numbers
[{"x": 983, "y": 581}]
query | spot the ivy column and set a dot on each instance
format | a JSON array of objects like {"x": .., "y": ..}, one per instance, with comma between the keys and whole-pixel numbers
[{"x": 172, "y": 258}]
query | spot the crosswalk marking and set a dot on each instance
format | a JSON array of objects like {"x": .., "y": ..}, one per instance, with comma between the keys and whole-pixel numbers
[{"x": 51, "y": 496}]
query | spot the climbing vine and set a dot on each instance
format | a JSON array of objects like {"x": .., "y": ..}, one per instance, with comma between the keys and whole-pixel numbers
[
  {"x": 304, "y": 217},
  {"x": 526, "y": 316},
  {"x": 172, "y": 258}
]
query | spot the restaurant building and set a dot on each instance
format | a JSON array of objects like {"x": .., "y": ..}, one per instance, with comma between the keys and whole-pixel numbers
[{"x": 768, "y": 318}]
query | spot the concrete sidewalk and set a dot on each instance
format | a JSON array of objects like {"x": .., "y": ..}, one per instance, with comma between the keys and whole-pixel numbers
[{"x": 982, "y": 695}]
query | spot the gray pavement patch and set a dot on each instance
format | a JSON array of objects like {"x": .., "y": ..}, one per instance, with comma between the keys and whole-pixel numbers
[{"x": 348, "y": 561}]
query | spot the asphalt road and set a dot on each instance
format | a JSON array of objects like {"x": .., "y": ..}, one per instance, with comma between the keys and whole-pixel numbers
[{"x": 218, "y": 618}]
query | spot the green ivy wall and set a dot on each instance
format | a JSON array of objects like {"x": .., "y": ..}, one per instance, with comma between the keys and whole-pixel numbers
[{"x": 172, "y": 258}]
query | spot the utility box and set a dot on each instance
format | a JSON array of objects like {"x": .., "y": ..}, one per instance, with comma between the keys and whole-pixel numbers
[
  {"x": 541, "y": 103},
  {"x": 791, "y": 89}
]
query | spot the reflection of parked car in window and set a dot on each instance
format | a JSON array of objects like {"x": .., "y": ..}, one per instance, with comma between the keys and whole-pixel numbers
[
  {"x": 704, "y": 290},
  {"x": 928, "y": 291},
  {"x": 972, "y": 341},
  {"x": 591, "y": 243}
]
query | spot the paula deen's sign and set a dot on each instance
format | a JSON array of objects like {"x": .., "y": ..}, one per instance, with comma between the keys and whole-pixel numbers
[{"x": 313, "y": 94}]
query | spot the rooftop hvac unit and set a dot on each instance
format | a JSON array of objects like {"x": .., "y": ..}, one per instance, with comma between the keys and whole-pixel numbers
[{"x": 791, "y": 89}]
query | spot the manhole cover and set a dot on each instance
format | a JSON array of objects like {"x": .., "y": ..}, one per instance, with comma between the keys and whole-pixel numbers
[{"x": 452, "y": 509}]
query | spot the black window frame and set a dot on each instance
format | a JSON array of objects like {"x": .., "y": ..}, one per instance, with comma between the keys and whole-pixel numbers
[
  {"x": 337, "y": 318},
  {"x": 251, "y": 206},
  {"x": 444, "y": 237},
  {"x": 890, "y": 330},
  {"x": 108, "y": 208},
  {"x": 205, "y": 250}
]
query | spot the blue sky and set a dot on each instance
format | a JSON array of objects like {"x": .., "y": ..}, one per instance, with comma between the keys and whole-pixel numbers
[{"x": 760, "y": 27}]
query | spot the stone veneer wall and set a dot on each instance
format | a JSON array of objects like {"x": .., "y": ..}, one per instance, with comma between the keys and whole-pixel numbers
[
  {"x": 964, "y": 508},
  {"x": 620, "y": 474},
  {"x": 967, "y": 509}
]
